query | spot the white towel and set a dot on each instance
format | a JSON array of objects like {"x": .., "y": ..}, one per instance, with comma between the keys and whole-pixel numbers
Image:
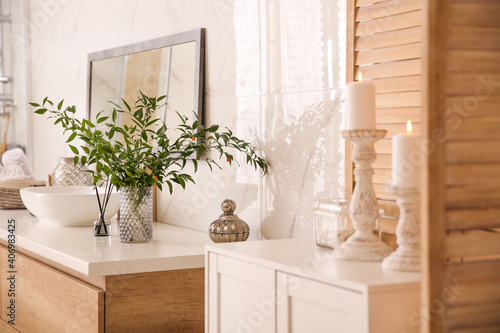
[
  {"x": 16, "y": 156},
  {"x": 13, "y": 172}
]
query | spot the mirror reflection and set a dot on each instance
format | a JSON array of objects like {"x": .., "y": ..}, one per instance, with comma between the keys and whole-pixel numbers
[{"x": 171, "y": 66}]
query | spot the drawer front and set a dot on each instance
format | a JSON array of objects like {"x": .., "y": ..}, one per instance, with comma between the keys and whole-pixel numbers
[
  {"x": 47, "y": 300},
  {"x": 309, "y": 306},
  {"x": 241, "y": 296}
]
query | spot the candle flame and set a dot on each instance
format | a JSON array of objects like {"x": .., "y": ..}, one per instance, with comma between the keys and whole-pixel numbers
[
  {"x": 360, "y": 77},
  {"x": 409, "y": 127}
]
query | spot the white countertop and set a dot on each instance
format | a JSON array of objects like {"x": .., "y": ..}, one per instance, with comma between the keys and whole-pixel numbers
[
  {"x": 76, "y": 248},
  {"x": 304, "y": 258}
]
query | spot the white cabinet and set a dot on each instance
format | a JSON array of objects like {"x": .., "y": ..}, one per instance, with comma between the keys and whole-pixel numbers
[
  {"x": 306, "y": 305},
  {"x": 234, "y": 281},
  {"x": 293, "y": 286}
]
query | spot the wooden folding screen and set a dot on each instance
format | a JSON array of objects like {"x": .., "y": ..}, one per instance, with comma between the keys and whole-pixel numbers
[
  {"x": 439, "y": 61},
  {"x": 384, "y": 42},
  {"x": 462, "y": 192}
]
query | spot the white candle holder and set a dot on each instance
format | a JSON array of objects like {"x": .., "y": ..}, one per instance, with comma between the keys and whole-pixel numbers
[
  {"x": 407, "y": 255},
  {"x": 363, "y": 245}
]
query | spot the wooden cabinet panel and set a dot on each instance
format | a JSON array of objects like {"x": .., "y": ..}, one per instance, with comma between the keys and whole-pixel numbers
[
  {"x": 49, "y": 301},
  {"x": 6, "y": 328},
  {"x": 167, "y": 301}
]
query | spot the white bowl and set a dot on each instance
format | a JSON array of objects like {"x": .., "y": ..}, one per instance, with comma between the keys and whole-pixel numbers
[{"x": 68, "y": 206}]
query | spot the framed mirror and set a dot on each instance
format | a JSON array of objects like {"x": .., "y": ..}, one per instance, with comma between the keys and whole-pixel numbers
[{"x": 171, "y": 65}]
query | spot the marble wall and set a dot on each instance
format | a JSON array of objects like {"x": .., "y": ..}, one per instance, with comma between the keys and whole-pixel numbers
[{"x": 273, "y": 75}]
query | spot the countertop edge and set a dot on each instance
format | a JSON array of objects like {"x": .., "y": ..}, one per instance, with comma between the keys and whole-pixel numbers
[
  {"x": 411, "y": 279},
  {"x": 176, "y": 247}
]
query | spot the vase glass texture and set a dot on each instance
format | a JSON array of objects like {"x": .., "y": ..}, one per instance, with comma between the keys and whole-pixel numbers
[{"x": 136, "y": 214}]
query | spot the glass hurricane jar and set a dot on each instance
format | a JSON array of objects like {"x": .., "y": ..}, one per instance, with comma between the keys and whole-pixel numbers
[{"x": 332, "y": 222}]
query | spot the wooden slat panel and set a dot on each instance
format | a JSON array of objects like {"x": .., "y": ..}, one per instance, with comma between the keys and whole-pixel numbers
[
  {"x": 474, "y": 129},
  {"x": 475, "y": 13},
  {"x": 382, "y": 176},
  {"x": 360, "y": 3},
  {"x": 387, "y": 8},
  {"x": 455, "y": 34},
  {"x": 389, "y": 51},
  {"x": 398, "y": 100},
  {"x": 478, "y": 315},
  {"x": 401, "y": 21},
  {"x": 389, "y": 38},
  {"x": 467, "y": 152},
  {"x": 472, "y": 196},
  {"x": 390, "y": 208},
  {"x": 381, "y": 193},
  {"x": 393, "y": 129},
  {"x": 473, "y": 60},
  {"x": 474, "y": 83},
  {"x": 387, "y": 225},
  {"x": 386, "y": 54},
  {"x": 471, "y": 106},
  {"x": 467, "y": 37},
  {"x": 477, "y": 329},
  {"x": 461, "y": 174},
  {"x": 398, "y": 115},
  {"x": 397, "y": 84},
  {"x": 395, "y": 69},
  {"x": 383, "y": 146},
  {"x": 461, "y": 219},
  {"x": 472, "y": 244},
  {"x": 474, "y": 293},
  {"x": 473, "y": 271},
  {"x": 383, "y": 161}
]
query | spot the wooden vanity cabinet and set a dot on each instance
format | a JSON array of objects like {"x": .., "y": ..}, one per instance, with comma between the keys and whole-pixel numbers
[
  {"x": 46, "y": 300},
  {"x": 49, "y": 300}
]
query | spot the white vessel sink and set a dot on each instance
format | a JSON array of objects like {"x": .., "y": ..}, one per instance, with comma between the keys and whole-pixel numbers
[{"x": 68, "y": 206}]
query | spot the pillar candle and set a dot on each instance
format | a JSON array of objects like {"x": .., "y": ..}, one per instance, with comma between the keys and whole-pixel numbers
[
  {"x": 406, "y": 158},
  {"x": 360, "y": 105}
]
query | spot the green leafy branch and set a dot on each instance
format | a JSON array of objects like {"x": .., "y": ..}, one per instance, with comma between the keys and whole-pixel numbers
[{"x": 141, "y": 154}]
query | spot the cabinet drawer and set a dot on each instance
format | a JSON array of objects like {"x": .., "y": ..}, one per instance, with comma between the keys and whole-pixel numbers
[
  {"x": 305, "y": 305},
  {"x": 241, "y": 296},
  {"x": 47, "y": 300}
]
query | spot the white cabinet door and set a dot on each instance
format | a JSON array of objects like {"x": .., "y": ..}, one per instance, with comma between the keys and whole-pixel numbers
[
  {"x": 305, "y": 305},
  {"x": 240, "y": 296}
]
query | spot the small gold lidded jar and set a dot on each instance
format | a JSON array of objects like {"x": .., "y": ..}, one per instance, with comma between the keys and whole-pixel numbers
[{"x": 228, "y": 227}]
